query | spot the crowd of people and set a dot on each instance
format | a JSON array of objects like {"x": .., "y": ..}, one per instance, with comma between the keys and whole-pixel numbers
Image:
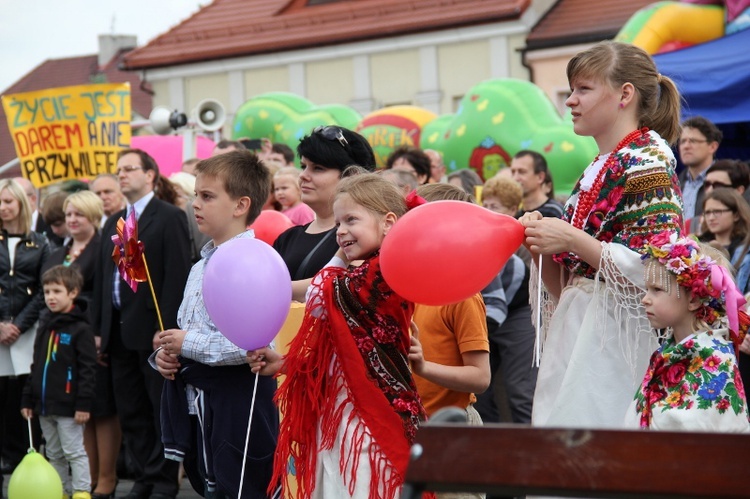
[{"x": 641, "y": 324}]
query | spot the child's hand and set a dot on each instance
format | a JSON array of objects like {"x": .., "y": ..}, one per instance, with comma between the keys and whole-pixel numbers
[
  {"x": 416, "y": 355},
  {"x": 265, "y": 361},
  {"x": 27, "y": 413},
  {"x": 81, "y": 417},
  {"x": 167, "y": 364},
  {"x": 171, "y": 340}
]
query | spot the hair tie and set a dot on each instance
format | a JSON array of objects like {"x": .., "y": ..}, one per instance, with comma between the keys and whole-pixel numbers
[
  {"x": 413, "y": 200},
  {"x": 721, "y": 280},
  {"x": 658, "y": 78}
]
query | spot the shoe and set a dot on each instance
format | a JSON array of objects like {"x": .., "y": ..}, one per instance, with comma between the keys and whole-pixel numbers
[
  {"x": 138, "y": 494},
  {"x": 95, "y": 495},
  {"x": 81, "y": 495}
]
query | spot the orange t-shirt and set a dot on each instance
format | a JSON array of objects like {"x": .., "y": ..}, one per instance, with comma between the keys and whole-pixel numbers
[{"x": 445, "y": 333}]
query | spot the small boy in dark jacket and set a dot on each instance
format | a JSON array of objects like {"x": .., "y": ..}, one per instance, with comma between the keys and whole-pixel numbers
[{"x": 60, "y": 388}]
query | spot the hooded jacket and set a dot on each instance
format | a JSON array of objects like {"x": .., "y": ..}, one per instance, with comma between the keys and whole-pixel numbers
[{"x": 63, "y": 373}]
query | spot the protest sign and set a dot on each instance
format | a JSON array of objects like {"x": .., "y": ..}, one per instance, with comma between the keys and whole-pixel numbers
[{"x": 69, "y": 132}]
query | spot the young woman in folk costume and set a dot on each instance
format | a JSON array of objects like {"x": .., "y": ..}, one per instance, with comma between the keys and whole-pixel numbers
[
  {"x": 349, "y": 403},
  {"x": 598, "y": 343}
]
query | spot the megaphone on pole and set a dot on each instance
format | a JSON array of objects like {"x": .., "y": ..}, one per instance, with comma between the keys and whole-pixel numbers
[
  {"x": 163, "y": 121},
  {"x": 209, "y": 115}
]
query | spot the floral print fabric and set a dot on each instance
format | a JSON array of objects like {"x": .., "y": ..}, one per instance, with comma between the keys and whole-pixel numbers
[
  {"x": 693, "y": 385},
  {"x": 639, "y": 198}
]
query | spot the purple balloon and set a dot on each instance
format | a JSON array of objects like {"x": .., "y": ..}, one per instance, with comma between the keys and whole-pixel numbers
[{"x": 247, "y": 291}]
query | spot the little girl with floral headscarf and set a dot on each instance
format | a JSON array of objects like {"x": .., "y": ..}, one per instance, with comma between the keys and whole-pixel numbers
[{"x": 693, "y": 382}]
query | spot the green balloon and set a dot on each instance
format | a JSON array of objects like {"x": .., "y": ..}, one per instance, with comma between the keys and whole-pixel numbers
[
  {"x": 285, "y": 118},
  {"x": 34, "y": 478},
  {"x": 496, "y": 119}
]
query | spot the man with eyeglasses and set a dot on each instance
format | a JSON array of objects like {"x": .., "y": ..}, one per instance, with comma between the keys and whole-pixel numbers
[
  {"x": 127, "y": 323},
  {"x": 698, "y": 143}
]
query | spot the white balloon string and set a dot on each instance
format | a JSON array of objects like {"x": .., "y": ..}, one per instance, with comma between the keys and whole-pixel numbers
[
  {"x": 538, "y": 342},
  {"x": 247, "y": 435},
  {"x": 31, "y": 438}
]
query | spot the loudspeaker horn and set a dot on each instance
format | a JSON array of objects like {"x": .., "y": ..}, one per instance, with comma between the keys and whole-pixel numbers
[
  {"x": 209, "y": 114},
  {"x": 163, "y": 121}
]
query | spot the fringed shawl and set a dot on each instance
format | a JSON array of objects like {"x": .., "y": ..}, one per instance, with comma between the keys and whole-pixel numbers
[
  {"x": 354, "y": 343},
  {"x": 640, "y": 197}
]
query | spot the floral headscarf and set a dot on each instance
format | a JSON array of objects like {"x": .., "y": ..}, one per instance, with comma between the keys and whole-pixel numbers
[{"x": 707, "y": 281}]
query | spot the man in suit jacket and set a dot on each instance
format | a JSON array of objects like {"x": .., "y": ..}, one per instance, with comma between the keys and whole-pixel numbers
[{"x": 127, "y": 322}]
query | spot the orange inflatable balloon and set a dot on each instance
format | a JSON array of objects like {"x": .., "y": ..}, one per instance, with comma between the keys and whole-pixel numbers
[
  {"x": 446, "y": 251},
  {"x": 269, "y": 225}
]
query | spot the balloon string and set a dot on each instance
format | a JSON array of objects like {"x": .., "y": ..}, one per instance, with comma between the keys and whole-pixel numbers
[
  {"x": 247, "y": 435},
  {"x": 538, "y": 342},
  {"x": 31, "y": 438}
]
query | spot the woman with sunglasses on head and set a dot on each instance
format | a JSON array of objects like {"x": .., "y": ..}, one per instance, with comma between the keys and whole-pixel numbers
[{"x": 324, "y": 155}]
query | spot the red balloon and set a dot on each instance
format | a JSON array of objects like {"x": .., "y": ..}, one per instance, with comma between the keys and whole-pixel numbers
[
  {"x": 269, "y": 225},
  {"x": 447, "y": 251}
]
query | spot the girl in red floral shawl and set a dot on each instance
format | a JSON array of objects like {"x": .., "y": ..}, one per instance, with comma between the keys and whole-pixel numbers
[{"x": 350, "y": 406}]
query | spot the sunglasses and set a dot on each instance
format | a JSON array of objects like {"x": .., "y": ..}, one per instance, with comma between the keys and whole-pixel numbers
[
  {"x": 332, "y": 133},
  {"x": 714, "y": 185}
]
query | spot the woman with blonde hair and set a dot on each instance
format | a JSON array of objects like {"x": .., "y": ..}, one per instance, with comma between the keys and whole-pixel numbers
[{"x": 23, "y": 252}]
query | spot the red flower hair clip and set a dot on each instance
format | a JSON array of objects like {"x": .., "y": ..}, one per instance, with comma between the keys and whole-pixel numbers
[{"x": 413, "y": 200}]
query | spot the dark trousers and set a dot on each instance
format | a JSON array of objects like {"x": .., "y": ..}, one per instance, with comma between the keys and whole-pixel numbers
[
  {"x": 14, "y": 433},
  {"x": 511, "y": 353},
  {"x": 137, "y": 387}
]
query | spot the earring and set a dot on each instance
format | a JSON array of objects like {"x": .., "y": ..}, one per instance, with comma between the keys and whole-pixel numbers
[{"x": 622, "y": 106}]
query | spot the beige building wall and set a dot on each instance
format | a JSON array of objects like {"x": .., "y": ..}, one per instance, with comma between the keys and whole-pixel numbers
[
  {"x": 262, "y": 80},
  {"x": 515, "y": 60},
  {"x": 395, "y": 77},
  {"x": 331, "y": 81},
  {"x": 548, "y": 68},
  {"x": 460, "y": 67},
  {"x": 213, "y": 86},
  {"x": 161, "y": 93}
]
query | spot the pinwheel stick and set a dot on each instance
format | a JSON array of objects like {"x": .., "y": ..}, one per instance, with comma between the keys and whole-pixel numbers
[{"x": 153, "y": 293}]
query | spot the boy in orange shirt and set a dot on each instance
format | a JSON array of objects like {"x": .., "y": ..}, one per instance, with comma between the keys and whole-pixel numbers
[{"x": 450, "y": 346}]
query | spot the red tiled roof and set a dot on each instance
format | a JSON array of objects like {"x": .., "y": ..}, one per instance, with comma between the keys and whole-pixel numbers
[
  {"x": 231, "y": 28},
  {"x": 67, "y": 72},
  {"x": 580, "y": 21}
]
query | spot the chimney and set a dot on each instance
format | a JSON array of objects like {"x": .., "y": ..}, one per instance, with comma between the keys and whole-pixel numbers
[{"x": 110, "y": 45}]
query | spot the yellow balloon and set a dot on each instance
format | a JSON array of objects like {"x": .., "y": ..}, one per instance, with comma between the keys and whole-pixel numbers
[{"x": 34, "y": 478}]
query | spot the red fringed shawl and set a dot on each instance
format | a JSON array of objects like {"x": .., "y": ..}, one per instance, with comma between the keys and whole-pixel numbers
[{"x": 354, "y": 343}]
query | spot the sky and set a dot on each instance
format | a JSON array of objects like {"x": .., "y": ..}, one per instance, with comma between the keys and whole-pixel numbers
[{"x": 32, "y": 31}]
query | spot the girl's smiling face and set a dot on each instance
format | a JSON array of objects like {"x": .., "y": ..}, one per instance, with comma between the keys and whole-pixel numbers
[{"x": 359, "y": 231}]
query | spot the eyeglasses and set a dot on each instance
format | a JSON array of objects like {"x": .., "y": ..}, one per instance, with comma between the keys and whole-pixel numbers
[
  {"x": 715, "y": 213},
  {"x": 713, "y": 185},
  {"x": 332, "y": 133},
  {"x": 692, "y": 141},
  {"x": 127, "y": 168}
]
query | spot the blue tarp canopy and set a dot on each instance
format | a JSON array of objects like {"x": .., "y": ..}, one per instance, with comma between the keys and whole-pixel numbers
[{"x": 713, "y": 78}]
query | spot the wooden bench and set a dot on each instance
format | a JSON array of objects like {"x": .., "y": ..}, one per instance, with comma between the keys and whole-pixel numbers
[{"x": 511, "y": 460}]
